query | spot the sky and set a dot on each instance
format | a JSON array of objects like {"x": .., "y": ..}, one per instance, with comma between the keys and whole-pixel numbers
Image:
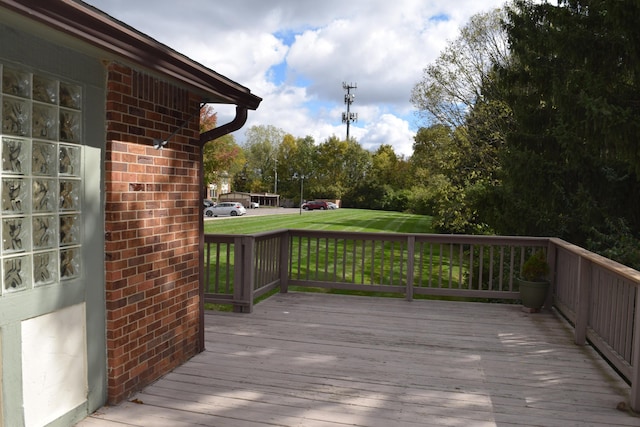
[{"x": 296, "y": 55}]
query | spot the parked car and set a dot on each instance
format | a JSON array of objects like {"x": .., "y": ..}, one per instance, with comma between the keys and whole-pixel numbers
[
  {"x": 225, "y": 208},
  {"x": 332, "y": 205},
  {"x": 315, "y": 204},
  {"x": 254, "y": 205}
]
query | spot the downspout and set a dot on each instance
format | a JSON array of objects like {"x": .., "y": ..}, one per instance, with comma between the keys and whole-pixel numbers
[{"x": 235, "y": 124}]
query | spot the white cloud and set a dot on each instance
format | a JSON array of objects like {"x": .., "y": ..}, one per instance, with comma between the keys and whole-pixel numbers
[
  {"x": 389, "y": 130},
  {"x": 380, "y": 45}
]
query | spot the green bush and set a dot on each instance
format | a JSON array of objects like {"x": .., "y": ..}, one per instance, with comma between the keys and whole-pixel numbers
[{"x": 536, "y": 268}]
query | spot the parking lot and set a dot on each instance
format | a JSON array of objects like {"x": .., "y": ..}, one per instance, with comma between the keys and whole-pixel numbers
[{"x": 263, "y": 211}]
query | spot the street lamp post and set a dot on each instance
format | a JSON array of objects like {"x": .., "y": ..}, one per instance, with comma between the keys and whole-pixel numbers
[
  {"x": 301, "y": 178},
  {"x": 275, "y": 170}
]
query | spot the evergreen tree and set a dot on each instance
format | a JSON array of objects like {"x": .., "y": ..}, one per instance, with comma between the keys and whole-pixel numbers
[{"x": 571, "y": 163}]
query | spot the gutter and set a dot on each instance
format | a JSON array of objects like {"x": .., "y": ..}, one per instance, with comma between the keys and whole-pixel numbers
[{"x": 235, "y": 124}]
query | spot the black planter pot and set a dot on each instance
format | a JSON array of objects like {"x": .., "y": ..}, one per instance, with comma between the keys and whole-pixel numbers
[{"x": 533, "y": 294}]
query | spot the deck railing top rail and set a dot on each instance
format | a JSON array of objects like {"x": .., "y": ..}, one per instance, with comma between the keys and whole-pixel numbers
[
  {"x": 427, "y": 237},
  {"x": 606, "y": 263}
]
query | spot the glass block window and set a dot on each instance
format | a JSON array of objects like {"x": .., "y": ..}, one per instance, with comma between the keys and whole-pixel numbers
[{"x": 40, "y": 180}]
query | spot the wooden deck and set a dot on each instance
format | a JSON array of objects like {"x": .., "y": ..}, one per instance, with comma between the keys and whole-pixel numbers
[{"x": 329, "y": 360}]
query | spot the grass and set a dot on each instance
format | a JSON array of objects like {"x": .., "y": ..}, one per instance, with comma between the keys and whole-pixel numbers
[
  {"x": 348, "y": 220},
  {"x": 358, "y": 220},
  {"x": 335, "y": 220}
]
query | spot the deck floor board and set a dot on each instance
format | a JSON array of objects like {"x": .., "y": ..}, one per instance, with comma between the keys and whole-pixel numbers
[{"x": 316, "y": 360}]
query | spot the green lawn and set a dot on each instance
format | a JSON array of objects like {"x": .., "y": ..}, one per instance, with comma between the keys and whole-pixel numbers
[
  {"x": 449, "y": 265},
  {"x": 358, "y": 220},
  {"x": 337, "y": 220}
]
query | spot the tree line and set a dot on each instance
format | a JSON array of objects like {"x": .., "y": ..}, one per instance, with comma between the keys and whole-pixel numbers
[
  {"x": 530, "y": 127},
  {"x": 272, "y": 161}
]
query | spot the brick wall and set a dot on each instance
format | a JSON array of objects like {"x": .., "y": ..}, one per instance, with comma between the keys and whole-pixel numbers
[{"x": 152, "y": 230}]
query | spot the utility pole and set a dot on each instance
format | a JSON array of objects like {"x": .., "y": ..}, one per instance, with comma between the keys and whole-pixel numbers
[{"x": 349, "y": 117}]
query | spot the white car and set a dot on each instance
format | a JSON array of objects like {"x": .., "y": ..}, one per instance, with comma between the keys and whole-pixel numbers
[
  {"x": 225, "y": 208},
  {"x": 254, "y": 205}
]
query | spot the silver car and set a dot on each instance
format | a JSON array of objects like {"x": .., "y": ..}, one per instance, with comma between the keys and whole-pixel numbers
[{"x": 225, "y": 208}]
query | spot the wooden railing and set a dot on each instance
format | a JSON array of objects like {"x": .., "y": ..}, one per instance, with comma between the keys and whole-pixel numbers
[
  {"x": 241, "y": 268},
  {"x": 409, "y": 264},
  {"x": 598, "y": 296}
]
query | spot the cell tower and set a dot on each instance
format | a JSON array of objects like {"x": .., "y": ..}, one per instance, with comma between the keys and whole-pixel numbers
[{"x": 349, "y": 117}]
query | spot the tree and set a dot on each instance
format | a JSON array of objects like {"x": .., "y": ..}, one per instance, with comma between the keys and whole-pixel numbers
[
  {"x": 261, "y": 151},
  {"x": 455, "y": 158},
  {"x": 572, "y": 152},
  {"x": 329, "y": 169},
  {"x": 286, "y": 157},
  {"x": 452, "y": 85},
  {"x": 294, "y": 161},
  {"x": 357, "y": 164},
  {"x": 337, "y": 166},
  {"x": 434, "y": 152},
  {"x": 388, "y": 168},
  {"x": 384, "y": 184},
  {"x": 440, "y": 189},
  {"x": 222, "y": 157},
  {"x": 208, "y": 118}
]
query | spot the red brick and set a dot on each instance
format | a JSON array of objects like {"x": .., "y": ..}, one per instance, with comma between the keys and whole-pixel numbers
[{"x": 151, "y": 259}]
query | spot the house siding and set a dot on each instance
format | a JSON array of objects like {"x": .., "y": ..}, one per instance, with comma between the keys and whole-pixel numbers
[{"x": 152, "y": 229}]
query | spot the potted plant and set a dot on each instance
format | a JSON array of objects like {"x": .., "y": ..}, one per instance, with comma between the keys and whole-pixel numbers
[{"x": 534, "y": 282}]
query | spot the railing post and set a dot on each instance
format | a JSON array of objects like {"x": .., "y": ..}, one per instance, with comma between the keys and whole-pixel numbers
[
  {"x": 411, "y": 246},
  {"x": 249, "y": 272},
  {"x": 635, "y": 357},
  {"x": 238, "y": 257},
  {"x": 243, "y": 274},
  {"x": 583, "y": 299},
  {"x": 284, "y": 262},
  {"x": 552, "y": 260}
]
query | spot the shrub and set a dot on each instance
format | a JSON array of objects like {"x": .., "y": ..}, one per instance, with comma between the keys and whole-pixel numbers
[{"x": 536, "y": 268}]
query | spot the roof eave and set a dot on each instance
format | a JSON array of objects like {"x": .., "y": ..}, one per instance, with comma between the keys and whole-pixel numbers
[{"x": 86, "y": 23}]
